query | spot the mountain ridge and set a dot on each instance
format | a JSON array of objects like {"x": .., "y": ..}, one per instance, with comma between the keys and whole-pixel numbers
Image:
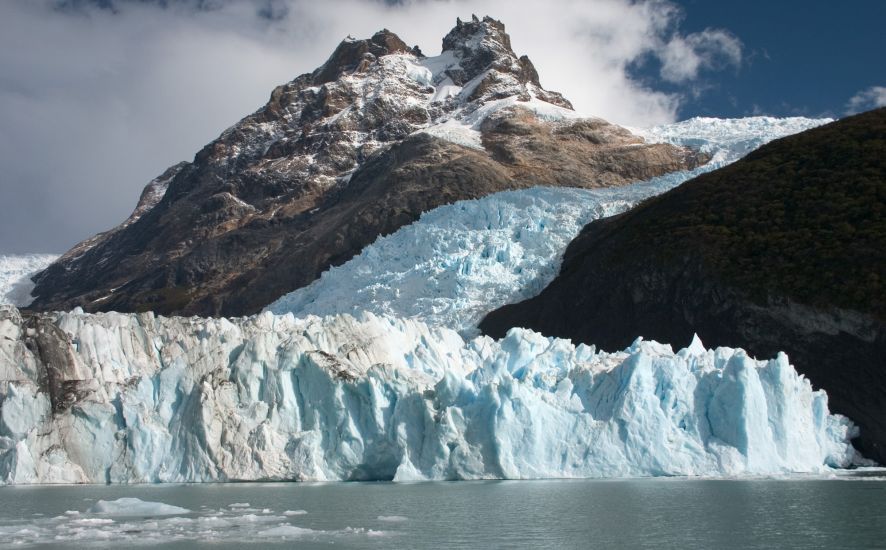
[{"x": 326, "y": 166}]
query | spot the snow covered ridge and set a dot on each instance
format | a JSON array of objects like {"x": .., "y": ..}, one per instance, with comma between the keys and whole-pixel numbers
[
  {"x": 15, "y": 276},
  {"x": 461, "y": 261},
  {"x": 137, "y": 398}
]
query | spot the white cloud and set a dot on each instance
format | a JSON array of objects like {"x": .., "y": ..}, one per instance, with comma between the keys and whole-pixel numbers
[
  {"x": 867, "y": 99},
  {"x": 683, "y": 57},
  {"x": 94, "y": 103}
]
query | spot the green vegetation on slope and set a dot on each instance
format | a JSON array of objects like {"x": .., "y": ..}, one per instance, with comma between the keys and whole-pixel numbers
[{"x": 803, "y": 217}]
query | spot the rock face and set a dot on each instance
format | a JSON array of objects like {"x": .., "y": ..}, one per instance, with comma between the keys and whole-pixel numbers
[
  {"x": 356, "y": 149},
  {"x": 783, "y": 250},
  {"x": 136, "y": 398}
]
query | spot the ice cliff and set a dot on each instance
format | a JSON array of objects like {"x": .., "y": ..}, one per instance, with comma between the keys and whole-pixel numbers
[{"x": 138, "y": 398}]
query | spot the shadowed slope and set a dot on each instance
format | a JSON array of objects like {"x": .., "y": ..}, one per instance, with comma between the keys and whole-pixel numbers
[{"x": 783, "y": 250}]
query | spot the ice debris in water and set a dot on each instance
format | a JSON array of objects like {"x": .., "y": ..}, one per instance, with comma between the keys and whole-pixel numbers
[
  {"x": 135, "y": 526},
  {"x": 461, "y": 261},
  {"x": 154, "y": 399},
  {"x": 393, "y": 519},
  {"x": 129, "y": 506}
]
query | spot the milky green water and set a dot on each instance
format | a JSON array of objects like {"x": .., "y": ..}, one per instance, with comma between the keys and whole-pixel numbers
[{"x": 847, "y": 512}]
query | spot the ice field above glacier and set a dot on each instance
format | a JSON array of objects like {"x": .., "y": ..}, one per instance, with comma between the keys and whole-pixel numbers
[
  {"x": 463, "y": 260},
  {"x": 15, "y": 276}
]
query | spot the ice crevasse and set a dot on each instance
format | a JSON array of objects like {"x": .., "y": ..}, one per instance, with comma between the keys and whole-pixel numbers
[{"x": 139, "y": 398}]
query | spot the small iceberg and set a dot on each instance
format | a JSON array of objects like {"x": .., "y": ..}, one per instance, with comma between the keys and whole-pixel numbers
[{"x": 128, "y": 506}]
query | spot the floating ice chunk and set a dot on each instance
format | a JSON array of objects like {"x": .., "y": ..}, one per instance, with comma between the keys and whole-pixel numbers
[
  {"x": 286, "y": 531},
  {"x": 393, "y": 519},
  {"x": 128, "y": 506},
  {"x": 295, "y": 512}
]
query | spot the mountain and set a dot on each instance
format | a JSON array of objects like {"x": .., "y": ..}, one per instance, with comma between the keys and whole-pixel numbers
[
  {"x": 400, "y": 395},
  {"x": 783, "y": 250},
  {"x": 356, "y": 149},
  {"x": 138, "y": 398}
]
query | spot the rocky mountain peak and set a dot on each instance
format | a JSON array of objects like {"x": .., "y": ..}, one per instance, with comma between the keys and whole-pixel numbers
[
  {"x": 488, "y": 65},
  {"x": 353, "y": 54},
  {"x": 486, "y": 37},
  {"x": 357, "y": 148}
]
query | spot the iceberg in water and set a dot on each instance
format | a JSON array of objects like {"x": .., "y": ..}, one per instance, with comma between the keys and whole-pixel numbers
[
  {"x": 138, "y": 398},
  {"x": 461, "y": 261},
  {"x": 130, "y": 507}
]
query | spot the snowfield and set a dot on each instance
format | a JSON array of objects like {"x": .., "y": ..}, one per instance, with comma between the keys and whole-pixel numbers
[
  {"x": 461, "y": 261},
  {"x": 152, "y": 399}
]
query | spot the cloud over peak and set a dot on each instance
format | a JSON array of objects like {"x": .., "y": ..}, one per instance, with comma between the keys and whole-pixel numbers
[{"x": 97, "y": 97}]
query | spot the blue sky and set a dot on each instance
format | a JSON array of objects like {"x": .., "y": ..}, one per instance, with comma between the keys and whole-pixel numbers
[
  {"x": 801, "y": 57},
  {"x": 97, "y": 97}
]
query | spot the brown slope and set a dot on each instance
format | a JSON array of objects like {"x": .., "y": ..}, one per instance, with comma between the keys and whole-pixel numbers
[{"x": 784, "y": 250}]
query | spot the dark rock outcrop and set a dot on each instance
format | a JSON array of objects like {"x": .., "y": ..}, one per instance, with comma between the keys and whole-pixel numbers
[
  {"x": 784, "y": 250},
  {"x": 336, "y": 158}
]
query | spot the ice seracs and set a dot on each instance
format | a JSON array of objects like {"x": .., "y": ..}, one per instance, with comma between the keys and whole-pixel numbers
[
  {"x": 461, "y": 261},
  {"x": 138, "y": 398},
  {"x": 16, "y": 271}
]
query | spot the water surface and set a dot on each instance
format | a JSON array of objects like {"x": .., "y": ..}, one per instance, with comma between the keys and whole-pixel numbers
[{"x": 843, "y": 512}]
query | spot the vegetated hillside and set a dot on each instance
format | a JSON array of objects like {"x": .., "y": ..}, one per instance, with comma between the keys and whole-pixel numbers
[
  {"x": 356, "y": 149},
  {"x": 783, "y": 250}
]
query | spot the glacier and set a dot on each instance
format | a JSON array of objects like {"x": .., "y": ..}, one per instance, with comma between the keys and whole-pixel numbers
[
  {"x": 131, "y": 398},
  {"x": 376, "y": 370},
  {"x": 16, "y": 271},
  {"x": 461, "y": 261}
]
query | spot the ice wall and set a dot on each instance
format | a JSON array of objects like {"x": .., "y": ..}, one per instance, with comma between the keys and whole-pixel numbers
[{"x": 138, "y": 398}]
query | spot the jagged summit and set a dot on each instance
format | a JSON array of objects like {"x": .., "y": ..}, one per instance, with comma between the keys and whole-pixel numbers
[
  {"x": 357, "y": 148},
  {"x": 483, "y": 44},
  {"x": 484, "y": 55},
  {"x": 356, "y": 55}
]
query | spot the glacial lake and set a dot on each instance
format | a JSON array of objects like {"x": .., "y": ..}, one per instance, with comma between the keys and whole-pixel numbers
[{"x": 844, "y": 511}]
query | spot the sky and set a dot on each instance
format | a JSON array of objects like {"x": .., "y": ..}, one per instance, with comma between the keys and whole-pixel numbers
[{"x": 97, "y": 97}]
